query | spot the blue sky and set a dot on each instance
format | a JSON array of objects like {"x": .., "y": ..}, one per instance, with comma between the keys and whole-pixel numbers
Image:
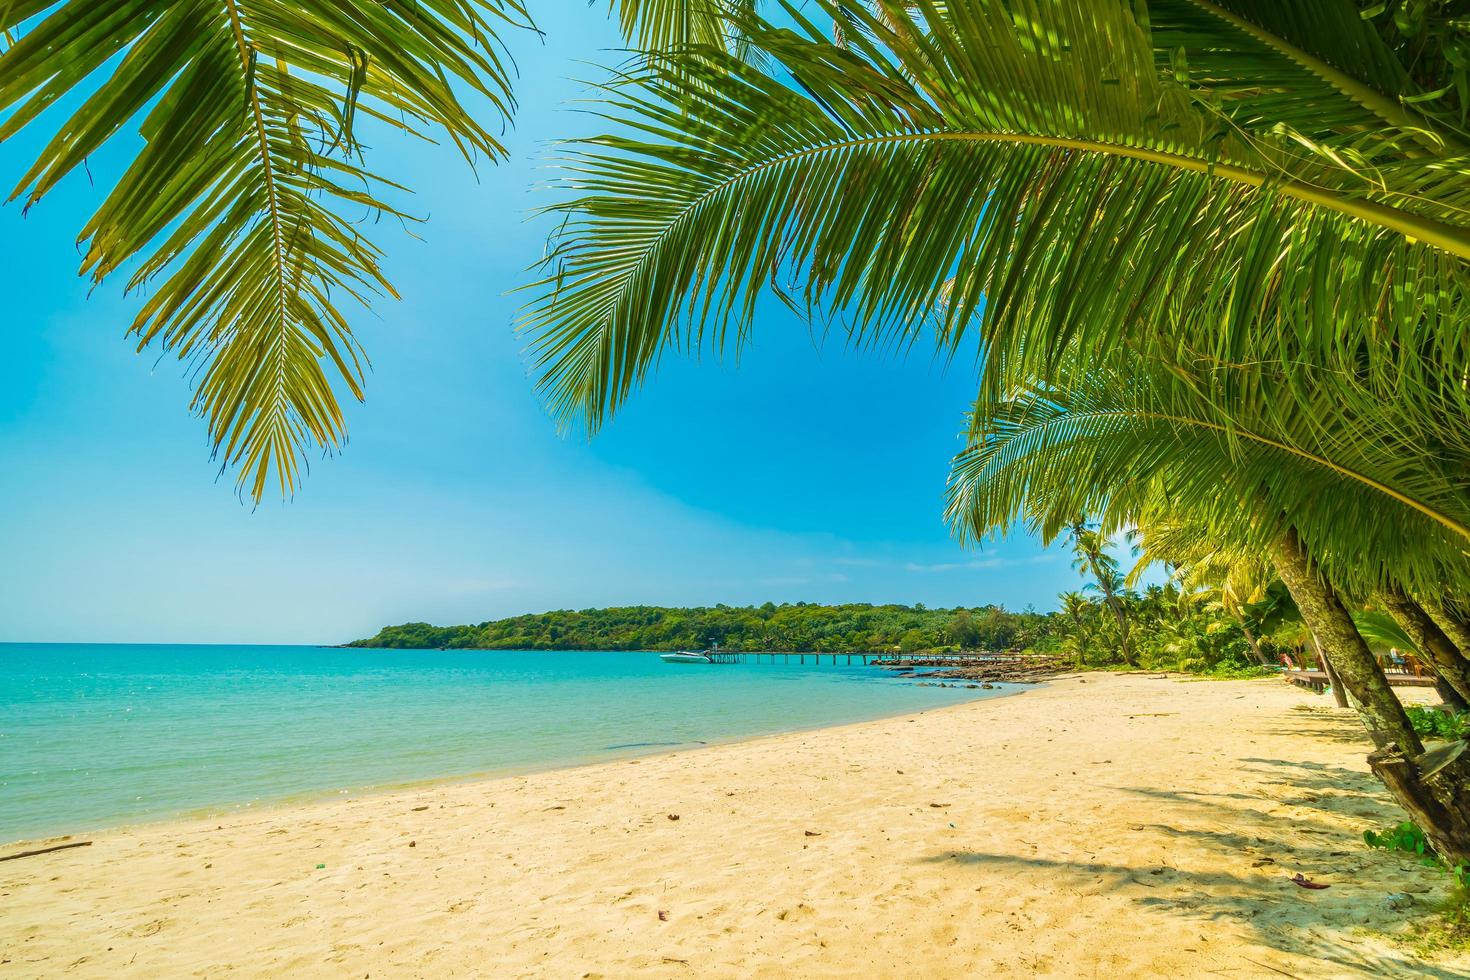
[{"x": 797, "y": 474}]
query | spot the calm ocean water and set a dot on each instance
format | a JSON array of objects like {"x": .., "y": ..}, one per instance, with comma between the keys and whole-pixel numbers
[{"x": 94, "y": 736}]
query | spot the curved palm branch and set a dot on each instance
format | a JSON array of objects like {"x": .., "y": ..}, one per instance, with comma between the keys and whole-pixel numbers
[
  {"x": 1023, "y": 166},
  {"x": 1382, "y": 632},
  {"x": 241, "y": 207},
  {"x": 1139, "y": 445},
  {"x": 1239, "y": 576}
]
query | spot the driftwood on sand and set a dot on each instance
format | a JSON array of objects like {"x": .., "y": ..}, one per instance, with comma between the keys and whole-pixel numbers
[{"x": 45, "y": 850}]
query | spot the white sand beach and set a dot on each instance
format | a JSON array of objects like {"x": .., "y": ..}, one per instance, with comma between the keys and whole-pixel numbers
[{"x": 1112, "y": 825}]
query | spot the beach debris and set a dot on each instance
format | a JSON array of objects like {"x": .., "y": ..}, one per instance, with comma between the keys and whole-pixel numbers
[
  {"x": 1268, "y": 966},
  {"x": 939, "y": 806},
  {"x": 1263, "y": 862},
  {"x": 418, "y": 808},
  {"x": 1437, "y": 755},
  {"x": 1305, "y": 882},
  {"x": 45, "y": 850},
  {"x": 663, "y": 915},
  {"x": 413, "y": 843},
  {"x": 813, "y": 833},
  {"x": 673, "y": 816},
  {"x": 320, "y": 866}
]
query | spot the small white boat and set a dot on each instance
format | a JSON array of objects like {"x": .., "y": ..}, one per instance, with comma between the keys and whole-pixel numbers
[{"x": 684, "y": 657}]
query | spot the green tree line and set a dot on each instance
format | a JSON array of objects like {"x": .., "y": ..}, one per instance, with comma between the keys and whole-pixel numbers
[{"x": 788, "y": 627}]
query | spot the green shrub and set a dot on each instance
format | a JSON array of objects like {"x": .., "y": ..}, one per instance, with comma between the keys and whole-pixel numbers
[
  {"x": 1439, "y": 724},
  {"x": 1232, "y": 670},
  {"x": 1405, "y": 836}
]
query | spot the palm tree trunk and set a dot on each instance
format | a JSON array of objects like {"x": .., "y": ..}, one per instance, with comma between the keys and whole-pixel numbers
[
  {"x": 1447, "y": 617},
  {"x": 1438, "y": 803},
  {"x": 1339, "y": 693},
  {"x": 1081, "y": 641},
  {"x": 1117, "y": 608},
  {"x": 1451, "y": 620},
  {"x": 1382, "y": 713},
  {"x": 1450, "y": 696},
  {"x": 1250, "y": 638},
  {"x": 1434, "y": 646},
  {"x": 1110, "y": 598}
]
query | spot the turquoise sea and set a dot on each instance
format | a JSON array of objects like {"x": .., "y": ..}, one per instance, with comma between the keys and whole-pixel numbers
[{"x": 93, "y": 736}]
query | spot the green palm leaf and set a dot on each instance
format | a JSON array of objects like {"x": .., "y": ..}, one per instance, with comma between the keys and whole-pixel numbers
[
  {"x": 240, "y": 209},
  {"x": 1382, "y": 632},
  {"x": 669, "y": 26},
  {"x": 1021, "y": 165},
  {"x": 1263, "y": 61},
  {"x": 1138, "y": 444}
]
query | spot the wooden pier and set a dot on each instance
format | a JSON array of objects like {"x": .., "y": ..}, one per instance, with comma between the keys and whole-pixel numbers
[{"x": 1316, "y": 680}]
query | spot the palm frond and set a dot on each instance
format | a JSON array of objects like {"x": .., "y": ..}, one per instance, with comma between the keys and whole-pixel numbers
[
  {"x": 1140, "y": 445},
  {"x": 1023, "y": 167},
  {"x": 1382, "y": 632},
  {"x": 1198, "y": 560},
  {"x": 1291, "y": 63},
  {"x": 242, "y": 208}
]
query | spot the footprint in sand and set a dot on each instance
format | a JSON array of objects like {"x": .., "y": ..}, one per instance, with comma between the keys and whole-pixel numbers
[
  {"x": 796, "y": 914},
  {"x": 150, "y": 929}
]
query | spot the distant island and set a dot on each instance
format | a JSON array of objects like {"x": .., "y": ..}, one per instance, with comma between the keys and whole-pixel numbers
[{"x": 801, "y": 626}]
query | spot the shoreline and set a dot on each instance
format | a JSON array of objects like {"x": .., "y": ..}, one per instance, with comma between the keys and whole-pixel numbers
[
  {"x": 1102, "y": 823},
  {"x": 273, "y": 804}
]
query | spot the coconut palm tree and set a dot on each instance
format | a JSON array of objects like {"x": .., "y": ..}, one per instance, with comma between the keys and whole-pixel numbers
[
  {"x": 242, "y": 211},
  {"x": 1104, "y": 444},
  {"x": 1235, "y": 582},
  {"x": 1090, "y": 556},
  {"x": 1265, "y": 203},
  {"x": 1077, "y": 609}
]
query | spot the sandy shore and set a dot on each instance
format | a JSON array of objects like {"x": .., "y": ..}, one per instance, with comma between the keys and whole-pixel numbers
[{"x": 1117, "y": 826}]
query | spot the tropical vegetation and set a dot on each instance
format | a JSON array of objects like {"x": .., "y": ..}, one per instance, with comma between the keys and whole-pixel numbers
[
  {"x": 1209, "y": 259},
  {"x": 788, "y": 627},
  {"x": 1173, "y": 629}
]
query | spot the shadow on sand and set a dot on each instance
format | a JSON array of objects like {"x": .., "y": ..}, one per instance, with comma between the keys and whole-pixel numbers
[
  {"x": 1286, "y": 817},
  {"x": 1317, "y": 931}
]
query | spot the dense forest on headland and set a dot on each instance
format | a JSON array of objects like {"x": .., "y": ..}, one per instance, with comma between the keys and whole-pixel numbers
[
  {"x": 800, "y": 626},
  {"x": 1107, "y": 623}
]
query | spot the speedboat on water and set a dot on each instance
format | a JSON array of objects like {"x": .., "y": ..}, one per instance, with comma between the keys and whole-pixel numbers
[{"x": 684, "y": 657}]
